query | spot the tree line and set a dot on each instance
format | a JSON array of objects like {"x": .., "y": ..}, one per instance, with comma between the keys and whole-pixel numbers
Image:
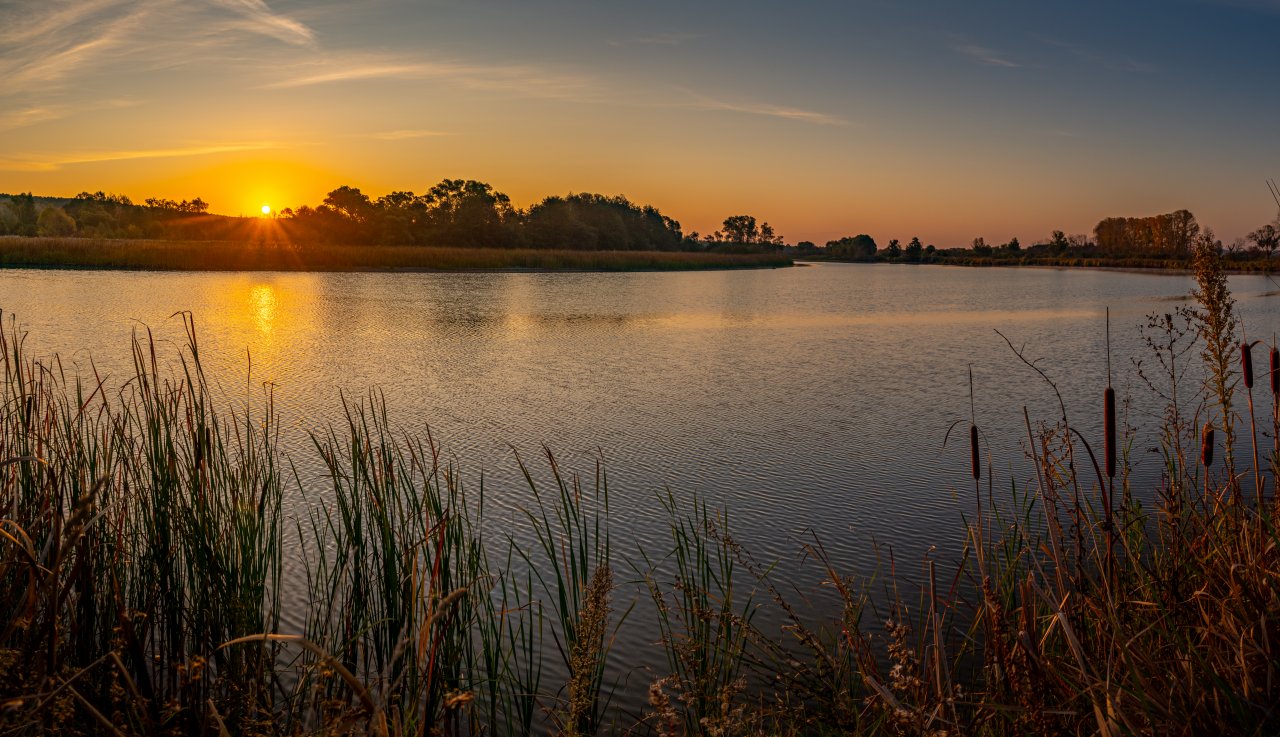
[
  {"x": 471, "y": 214},
  {"x": 454, "y": 213},
  {"x": 1166, "y": 238}
]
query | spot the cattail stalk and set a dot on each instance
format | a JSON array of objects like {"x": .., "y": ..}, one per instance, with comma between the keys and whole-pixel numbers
[
  {"x": 1246, "y": 368},
  {"x": 1206, "y": 454},
  {"x": 1275, "y": 403},
  {"x": 975, "y": 459},
  {"x": 1109, "y": 433}
]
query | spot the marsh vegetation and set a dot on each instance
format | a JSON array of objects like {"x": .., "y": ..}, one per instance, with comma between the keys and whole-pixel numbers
[{"x": 144, "y": 541}]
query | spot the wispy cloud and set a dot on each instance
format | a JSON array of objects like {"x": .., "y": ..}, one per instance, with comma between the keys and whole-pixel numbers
[
  {"x": 41, "y": 49},
  {"x": 405, "y": 135},
  {"x": 33, "y": 114},
  {"x": 528, "y": 80},
  {"x": 765, "y": 109},
  {"x": 54, "y": 162},
  {"x": 1090, "y": 56},
  {"x": 44, "y": 45},
  {"x": 257, "y": 17},
  {"x": 29, "y": 116},
  {"x": 670, "y": 38},
  {"x": 984, "y": 55}
]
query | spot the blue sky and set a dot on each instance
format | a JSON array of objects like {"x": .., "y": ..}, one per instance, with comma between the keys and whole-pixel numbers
[{"x": 938, "y": 119}]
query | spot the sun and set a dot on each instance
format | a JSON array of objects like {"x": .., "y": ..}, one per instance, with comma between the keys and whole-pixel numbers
[{"x": 266, "y": 209}]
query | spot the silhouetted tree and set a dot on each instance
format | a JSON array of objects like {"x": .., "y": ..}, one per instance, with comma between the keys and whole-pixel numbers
[
  {"x": 893, "y": 251},
  {"x": 861, "y": 247},
  {"x": 1267, "y": 239},
  {"x": 914, "y": 250},
  {"x": 464, "y": 212},
  {"x": 594, "y": 221},
  {"x": 740, "y": 229}
]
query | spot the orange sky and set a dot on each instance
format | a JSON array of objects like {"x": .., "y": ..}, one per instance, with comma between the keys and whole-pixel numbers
[{"x": 825, "y": 119}]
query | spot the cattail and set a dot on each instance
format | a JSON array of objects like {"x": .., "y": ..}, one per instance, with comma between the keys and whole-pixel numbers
[
  {"x": 1275, "y": 371},
  {"x": 199, "y": 443},
  {"x": 974, "y": 459},
  {"x": 1109, "y": 421},
  {"x": 1246, "y": 363},
  {"x": 1206, "y": 445}
]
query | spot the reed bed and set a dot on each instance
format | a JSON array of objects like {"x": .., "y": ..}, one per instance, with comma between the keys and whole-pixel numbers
[
  {"x": 141, "y": 556},
  {"x": 157, "y": 255}
]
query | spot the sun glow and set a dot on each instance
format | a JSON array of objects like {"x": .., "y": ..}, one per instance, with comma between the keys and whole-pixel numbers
[{"x": 266, "y": 209}]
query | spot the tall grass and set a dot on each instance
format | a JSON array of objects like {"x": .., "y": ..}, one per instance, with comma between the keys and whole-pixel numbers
[
  {"x": 142, "y": 550},
  {"x": 158, "y": 255}
]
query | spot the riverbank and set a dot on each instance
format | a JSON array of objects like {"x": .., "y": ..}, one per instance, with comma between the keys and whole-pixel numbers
[
  {"x": 164, "y": 255},
  {"x": 1178, "y": 266}
]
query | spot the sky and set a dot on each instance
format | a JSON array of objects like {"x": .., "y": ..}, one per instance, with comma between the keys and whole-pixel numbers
[{"x": 897, "y": 118}]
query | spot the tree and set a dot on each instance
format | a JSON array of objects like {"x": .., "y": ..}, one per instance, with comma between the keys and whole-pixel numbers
[
  {"x": 24, "y": 211},
  {"x": 1058, "y": 243},
  {"x": 1013, "y": 246},
  {"x": 980, "y": 246},
  {"x": 350, "y": 203},
  {"x": 740, "y": 229},
  {"x": 55, "y": 223},
  {"x": 914, "y": 250},
  {"x": 1267, "y": 239},
  {"x": 464, "y": 212},
  {"x": 861, "y": 247},
  {"x": 595, "y": 221},
  {"x": 893, "y": 251}
]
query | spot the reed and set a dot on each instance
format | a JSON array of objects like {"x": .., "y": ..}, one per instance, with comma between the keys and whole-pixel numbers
[
  {"x": 143, "y": 556},
  {"x": 269, "y": 255}
]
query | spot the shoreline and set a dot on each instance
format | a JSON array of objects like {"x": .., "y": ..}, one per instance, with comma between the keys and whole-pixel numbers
[
  {"x": 83, "y": 254},
  {"x": 1126, "y": 268}
]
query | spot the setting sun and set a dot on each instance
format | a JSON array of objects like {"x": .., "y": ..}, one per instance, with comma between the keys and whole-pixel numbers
[{"x": 266, "y": 209}]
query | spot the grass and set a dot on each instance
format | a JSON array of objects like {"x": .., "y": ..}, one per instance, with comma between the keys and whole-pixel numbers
[
  {"x": 142, "y": 551},
  {"x": 154, "y": 255}
]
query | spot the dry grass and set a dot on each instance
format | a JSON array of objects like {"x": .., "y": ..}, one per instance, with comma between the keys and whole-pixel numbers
[{"x": 86, "y": 253}]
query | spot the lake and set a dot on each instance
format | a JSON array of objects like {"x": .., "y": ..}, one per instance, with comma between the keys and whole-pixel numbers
[{"x": 810, "y": 401}]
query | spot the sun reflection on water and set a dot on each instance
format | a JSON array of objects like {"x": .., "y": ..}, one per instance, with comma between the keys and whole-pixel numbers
[{"x": 263, "y": 302}]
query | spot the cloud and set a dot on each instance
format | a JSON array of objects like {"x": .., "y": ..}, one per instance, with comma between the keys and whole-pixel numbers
[
  {"x": 44, "y": 44},
  {"x": 257, "y": 17},
  {"x": 1090, "y": 56},
  {"x": 767, "y": 110},
  {"x": 984, "y": 55},
  {"x": 51, "y": 163},
  {"x": 29, "y": 25},
  {"x": 406, "y": 134},
  {"x": 33, "y": 114},
  {"x": 29, "y": 116},
  {"x": 528, "y": 80},
  {"x": 40, "y": 50}
]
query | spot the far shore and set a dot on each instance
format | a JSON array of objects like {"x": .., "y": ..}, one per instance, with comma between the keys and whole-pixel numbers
[
  {"x": 163, "y": 255},
  {"x": 1092, "y": 264}
]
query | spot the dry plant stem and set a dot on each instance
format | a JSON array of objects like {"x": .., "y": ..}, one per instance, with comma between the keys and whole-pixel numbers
[{"x": 1259, "y": 483}]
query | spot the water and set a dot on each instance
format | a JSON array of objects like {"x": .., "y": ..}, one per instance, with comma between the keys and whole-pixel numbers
[{"x": 806, "y": 401}]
